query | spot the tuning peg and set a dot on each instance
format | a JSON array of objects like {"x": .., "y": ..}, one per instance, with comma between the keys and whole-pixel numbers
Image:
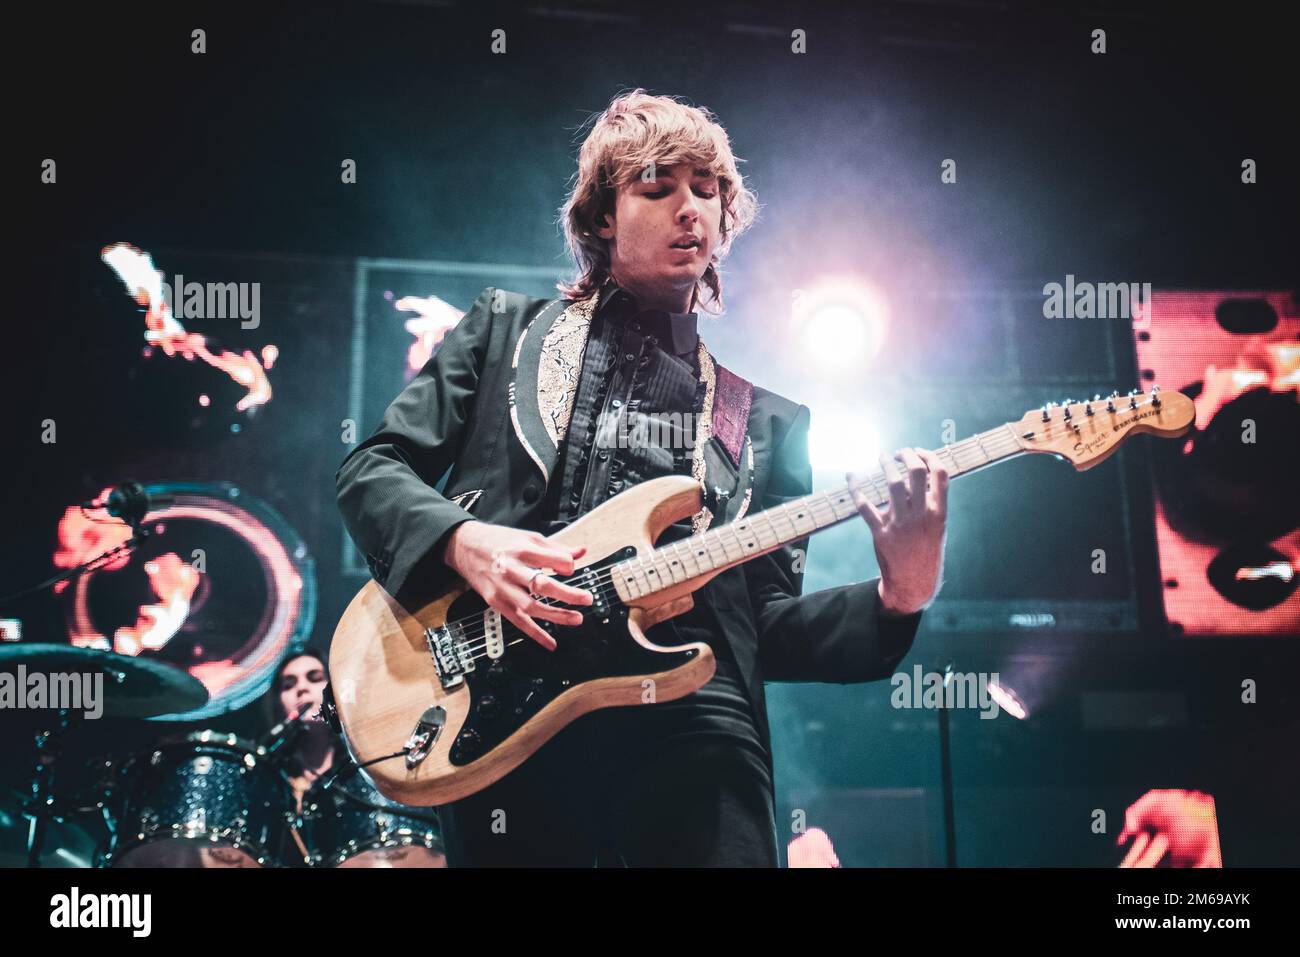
[
  {"x": 1067, "y": 412},
  {"x": 1046, "y": 415},
  {"x": 1087, "y": 408},
  {"x": 1110, "y": 404},
  {"x": 1133, "y": 400},
  {"x": 1155, "y": 395}
]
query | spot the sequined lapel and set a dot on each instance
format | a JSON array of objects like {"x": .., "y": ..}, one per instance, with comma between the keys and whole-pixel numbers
[
  {"x": 544, "y": 378},
  {"x": 544, "y": 385}
]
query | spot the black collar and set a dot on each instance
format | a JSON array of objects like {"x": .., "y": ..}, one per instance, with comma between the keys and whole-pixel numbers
[{"x": 679, "y": 329}]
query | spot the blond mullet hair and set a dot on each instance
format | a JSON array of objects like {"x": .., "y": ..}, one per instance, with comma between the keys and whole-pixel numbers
[{"x": 637, "y": 132}]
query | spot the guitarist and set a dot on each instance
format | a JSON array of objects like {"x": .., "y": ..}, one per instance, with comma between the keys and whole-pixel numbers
[{"x": 518, "y": 401}]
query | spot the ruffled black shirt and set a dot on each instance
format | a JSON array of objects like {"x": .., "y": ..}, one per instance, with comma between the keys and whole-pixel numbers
[
  {"x": 633, "y": 415},
  {"x": 633, "y": 420}
]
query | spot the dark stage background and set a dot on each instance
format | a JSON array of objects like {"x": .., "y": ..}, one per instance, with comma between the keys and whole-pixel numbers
[{"x": 1122, "y": 167}]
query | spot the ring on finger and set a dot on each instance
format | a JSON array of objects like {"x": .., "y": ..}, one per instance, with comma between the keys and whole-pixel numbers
[{"x": 531, "y": 590}]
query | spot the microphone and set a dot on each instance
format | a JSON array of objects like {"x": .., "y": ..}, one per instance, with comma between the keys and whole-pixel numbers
[
  {"x": 283, "y": 735},
  {"x": 130, "y": 502}
]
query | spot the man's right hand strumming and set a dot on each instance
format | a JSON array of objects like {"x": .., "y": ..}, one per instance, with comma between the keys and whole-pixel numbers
[{"x": 511, "y": 569}]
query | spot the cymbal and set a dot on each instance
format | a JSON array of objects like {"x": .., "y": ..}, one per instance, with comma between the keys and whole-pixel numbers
[
  {"x": 69, "y": 843},
  {"x": 132, "y": 687}
]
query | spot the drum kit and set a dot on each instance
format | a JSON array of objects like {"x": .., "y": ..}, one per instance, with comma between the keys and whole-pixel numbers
[{"x": 201, "y": 799}]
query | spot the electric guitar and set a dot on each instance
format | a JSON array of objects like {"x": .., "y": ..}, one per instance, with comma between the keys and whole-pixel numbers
[{"x": 439, "y": 704}]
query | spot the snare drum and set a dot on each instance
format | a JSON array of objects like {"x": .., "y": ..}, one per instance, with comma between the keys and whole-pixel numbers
[
  {"x": 204, "y": 800},
  {"x": 350, "y": 824}
]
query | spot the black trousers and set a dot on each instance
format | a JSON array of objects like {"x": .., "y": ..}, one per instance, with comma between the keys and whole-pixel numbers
[{"x": 675, "y": 784}]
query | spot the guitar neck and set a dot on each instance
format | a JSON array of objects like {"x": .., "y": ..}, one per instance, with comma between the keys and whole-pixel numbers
[{"x": 720, "y": 548}]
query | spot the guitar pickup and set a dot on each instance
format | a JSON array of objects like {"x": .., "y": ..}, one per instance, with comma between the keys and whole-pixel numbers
[
  {"x": 599, "y": 607},
  {"x": 494, "y": 641}
]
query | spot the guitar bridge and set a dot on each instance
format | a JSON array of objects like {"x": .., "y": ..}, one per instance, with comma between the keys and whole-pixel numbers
[{"x": 452, "y": 658}]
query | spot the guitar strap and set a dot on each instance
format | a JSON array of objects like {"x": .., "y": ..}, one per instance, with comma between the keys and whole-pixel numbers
[
  {"x": 727, "y": 420},
  {"x": 732, "y": 398}
]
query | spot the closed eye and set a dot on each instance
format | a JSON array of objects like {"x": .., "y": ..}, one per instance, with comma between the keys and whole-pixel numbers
[{"x": 661, "y": 193}]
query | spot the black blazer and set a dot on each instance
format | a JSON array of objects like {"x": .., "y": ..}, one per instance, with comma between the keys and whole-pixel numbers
[{"x": 481, "y": 408}]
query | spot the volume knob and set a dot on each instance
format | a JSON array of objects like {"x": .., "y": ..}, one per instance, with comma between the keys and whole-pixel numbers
[{"x": 468, "y": 743}]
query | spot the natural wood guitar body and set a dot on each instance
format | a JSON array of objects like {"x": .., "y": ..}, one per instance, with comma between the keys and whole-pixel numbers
[{"x": 384, "y": 677}]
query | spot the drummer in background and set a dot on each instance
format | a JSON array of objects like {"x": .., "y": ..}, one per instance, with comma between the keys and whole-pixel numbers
[
  {"x": 298, "y": 690},
  {"x": 299, "y": 686}
]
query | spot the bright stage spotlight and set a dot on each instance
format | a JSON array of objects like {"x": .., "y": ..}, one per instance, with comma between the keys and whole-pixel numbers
[
  {"x": 841, "y": 321},
  {"x": 1008, "y": 700},
  {"x": 842, "y": 440}
]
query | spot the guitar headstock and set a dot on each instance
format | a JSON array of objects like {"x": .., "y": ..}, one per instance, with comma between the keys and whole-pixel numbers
[{"x": 1087, "y": 432}]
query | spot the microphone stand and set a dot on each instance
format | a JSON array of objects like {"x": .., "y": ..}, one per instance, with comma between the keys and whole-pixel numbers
[
  {"x": 49, "y": 743},
  {"x": 945, "y": 763},
  {"x": 138, "y": 535}
]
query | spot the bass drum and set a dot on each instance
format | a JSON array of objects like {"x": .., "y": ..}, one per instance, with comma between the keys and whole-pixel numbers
[
  {"x": 350, "y": 824},
  {"x": 204, "y": 800}
]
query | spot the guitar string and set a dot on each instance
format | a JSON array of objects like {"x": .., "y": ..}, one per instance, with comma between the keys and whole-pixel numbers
[
  {"x": 604, "y": 583},
  {"x": 478, "y": 652},
  {"x": 1004, "y": 437},
  {"x": 1006, "y": 444},
  {"x": 819, "y": 500},
  {"x": 1001, "y": 444},
  {"x": 468, "y": 644},
  {"x": 1002, "y": 441}
]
